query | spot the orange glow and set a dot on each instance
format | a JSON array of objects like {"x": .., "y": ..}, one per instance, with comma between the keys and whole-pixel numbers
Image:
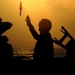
[
  {"x": 33, "y": 4},
  {"x": 60, "y": 12}
]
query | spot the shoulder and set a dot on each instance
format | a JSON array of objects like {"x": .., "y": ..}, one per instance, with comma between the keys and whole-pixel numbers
[{"x": 9, "y": 45}]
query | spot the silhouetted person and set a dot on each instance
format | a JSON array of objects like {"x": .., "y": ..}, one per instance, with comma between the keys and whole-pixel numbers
[
  {"x": 6, "y": 51},
  {"x": 44, "y": 49}
]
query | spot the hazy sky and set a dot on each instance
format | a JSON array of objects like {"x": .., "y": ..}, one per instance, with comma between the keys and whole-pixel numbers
[{"x": 60, "y": 12}]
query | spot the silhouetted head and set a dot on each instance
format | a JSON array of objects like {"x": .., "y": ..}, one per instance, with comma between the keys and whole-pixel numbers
[
  {"x": 4, "y": 26},
  {"x": 3, "y": 39},
  {"x": 45, "y": 25}
]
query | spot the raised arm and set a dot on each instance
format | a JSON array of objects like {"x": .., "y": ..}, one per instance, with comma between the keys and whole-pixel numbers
[{"x": 31, "y": 28}]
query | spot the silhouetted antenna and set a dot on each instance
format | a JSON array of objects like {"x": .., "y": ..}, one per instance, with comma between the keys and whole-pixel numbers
[{"x": 20, "y": 8}]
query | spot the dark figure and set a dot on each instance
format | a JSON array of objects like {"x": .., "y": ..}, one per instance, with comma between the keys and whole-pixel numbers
[
  {"x": 44, "y": 49},
  {"x": 6, "y": 51}
]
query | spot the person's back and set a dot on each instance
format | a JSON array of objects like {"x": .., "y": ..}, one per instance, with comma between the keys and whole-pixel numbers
[{"x": 44, "y": 49}]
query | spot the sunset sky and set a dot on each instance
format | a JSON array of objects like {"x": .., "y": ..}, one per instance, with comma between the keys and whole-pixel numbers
[{"x": 60, "y": 12}]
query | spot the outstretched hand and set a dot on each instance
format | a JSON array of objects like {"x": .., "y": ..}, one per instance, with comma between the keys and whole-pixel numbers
[{"x": 28, "y": 21}]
